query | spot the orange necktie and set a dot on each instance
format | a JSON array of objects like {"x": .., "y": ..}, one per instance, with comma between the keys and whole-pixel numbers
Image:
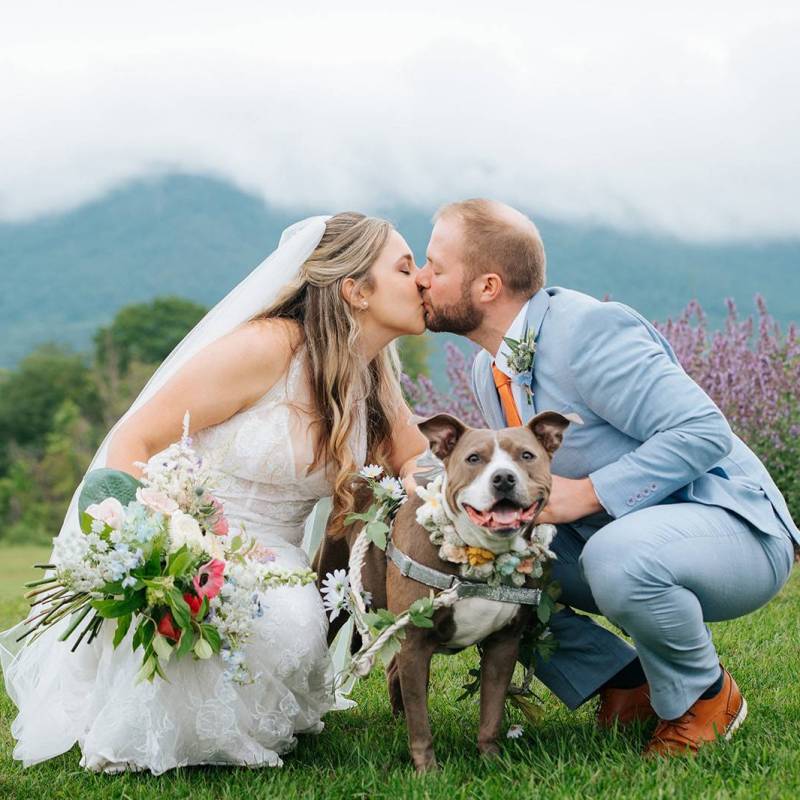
[{"x": 503, "y": 384}]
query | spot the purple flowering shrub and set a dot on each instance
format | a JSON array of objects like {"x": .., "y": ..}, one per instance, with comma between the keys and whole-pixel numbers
[
  {"x": 426, "y": 400},
  {"x": 749, "y": 368}
]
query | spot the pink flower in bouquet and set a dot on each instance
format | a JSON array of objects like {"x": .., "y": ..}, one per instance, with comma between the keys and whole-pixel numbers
[
  {"x": 109, "y": 511},
  {"x": 168, "y": 628},
  {"x": 155, "y": 500},
  {"x": 221, "y": 526},
  {"x": 525, "y": 566},
  {"x": 209, "y": 579}
]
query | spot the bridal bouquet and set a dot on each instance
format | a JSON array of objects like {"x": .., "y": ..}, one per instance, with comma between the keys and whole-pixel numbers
[{"x": 157, "y": 555}]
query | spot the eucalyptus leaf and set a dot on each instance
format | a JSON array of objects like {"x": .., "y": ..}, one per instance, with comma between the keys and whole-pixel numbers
[{"x": 100, "y": 484}]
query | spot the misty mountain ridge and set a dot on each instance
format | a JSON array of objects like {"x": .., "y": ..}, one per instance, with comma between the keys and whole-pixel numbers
[{"x": 64, "y": 275}]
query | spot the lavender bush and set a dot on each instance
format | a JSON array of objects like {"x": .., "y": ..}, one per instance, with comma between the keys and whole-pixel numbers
[
  {"x": 750, "y": 369},
  {"x": 752, "y": 372},
  {"x": 425, "y": 399}
]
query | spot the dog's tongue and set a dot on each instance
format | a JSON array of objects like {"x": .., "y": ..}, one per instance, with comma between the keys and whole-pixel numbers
[{"x": 505, "y": 517}]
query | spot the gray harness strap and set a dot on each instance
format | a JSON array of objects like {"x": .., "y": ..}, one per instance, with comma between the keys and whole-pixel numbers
[{"x": 441, "y": 580}]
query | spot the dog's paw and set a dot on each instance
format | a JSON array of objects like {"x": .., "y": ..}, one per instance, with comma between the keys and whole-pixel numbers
[
  {"x": 489, "y": 750},
  {"x": 426, "y": 766}
]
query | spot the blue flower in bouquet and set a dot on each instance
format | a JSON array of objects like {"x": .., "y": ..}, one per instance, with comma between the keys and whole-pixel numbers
[{"x": 507, "y": 564}]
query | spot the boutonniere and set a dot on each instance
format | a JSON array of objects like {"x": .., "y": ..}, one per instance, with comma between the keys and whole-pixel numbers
[{"x": 520, "y": 362}]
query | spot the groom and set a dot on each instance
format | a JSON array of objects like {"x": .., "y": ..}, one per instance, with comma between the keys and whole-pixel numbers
[{"x": 665, "y": 519}]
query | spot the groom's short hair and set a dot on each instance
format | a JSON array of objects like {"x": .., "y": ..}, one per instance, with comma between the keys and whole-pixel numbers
[{"x": 500, "y": 238}]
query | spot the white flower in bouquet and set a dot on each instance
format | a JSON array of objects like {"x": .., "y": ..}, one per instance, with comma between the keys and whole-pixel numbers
[
  {"x": 393, "y": 487},
  {"x": 185, "y": 530},
  {"x": 335, "y": 591}
]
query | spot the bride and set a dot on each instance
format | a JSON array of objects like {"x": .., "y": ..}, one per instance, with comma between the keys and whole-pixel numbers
[{"x": 292, "y": 384}]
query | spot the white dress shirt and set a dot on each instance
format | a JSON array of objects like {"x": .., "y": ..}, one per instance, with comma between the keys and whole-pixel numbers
[{"x": 515, "y": 331}]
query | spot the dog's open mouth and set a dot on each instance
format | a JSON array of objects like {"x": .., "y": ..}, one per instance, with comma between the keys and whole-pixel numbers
[{"x": 504, "y": 515}]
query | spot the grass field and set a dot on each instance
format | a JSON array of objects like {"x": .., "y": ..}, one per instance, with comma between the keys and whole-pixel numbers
[{"x": 362, "y": 753}]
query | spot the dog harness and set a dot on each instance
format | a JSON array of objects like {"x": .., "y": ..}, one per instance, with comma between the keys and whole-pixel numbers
[{"x": 519, "y": 595}]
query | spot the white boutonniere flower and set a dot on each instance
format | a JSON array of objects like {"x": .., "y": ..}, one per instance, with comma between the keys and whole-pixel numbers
[{"x": 520, "y": 362}]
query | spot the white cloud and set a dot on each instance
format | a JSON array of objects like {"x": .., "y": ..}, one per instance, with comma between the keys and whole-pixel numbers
[{"x": 682, "y": 119}]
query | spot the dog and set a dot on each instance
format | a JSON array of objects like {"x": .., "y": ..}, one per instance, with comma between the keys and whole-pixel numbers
[{"x": 496, "y": 483}]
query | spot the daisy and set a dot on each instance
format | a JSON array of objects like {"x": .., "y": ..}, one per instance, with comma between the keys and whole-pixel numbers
[
  {"x": 335, "y": 589},
  {"x": 514, "y": 731}
]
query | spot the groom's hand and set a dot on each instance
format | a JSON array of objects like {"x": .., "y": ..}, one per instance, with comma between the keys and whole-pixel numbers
[{"x": 569, "y": 500}]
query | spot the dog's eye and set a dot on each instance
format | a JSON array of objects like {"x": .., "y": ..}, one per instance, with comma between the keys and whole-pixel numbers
[
  {"x": 473, "y": 458},
  {"x": 527, "y": 455}
]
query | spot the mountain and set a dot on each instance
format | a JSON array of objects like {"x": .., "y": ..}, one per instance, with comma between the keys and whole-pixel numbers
[{"x": 64, "y": 275}]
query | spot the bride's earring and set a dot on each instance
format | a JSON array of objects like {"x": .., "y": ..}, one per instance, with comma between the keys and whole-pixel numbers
[{"x": 364, "y": 305}]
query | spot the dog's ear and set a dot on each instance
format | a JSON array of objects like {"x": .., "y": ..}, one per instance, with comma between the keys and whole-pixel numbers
[
  {"x": 549, "y": 426},
  {"x": 443, "y": 432}
]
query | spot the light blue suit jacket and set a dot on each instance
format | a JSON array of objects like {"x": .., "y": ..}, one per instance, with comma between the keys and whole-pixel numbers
[{"x": 651, "y": 435}]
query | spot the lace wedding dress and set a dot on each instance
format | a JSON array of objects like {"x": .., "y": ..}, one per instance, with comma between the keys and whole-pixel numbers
[{"x": 260, "y": 458}]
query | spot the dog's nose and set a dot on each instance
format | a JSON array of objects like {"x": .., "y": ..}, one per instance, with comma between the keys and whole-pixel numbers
[{"x": 504, "y": 480}]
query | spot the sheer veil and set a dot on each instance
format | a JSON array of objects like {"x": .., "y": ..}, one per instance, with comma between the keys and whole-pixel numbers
[{"x": 255, "y": 293}]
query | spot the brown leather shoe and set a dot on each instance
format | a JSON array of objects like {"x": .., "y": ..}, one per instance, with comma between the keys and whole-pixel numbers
[
  {"x": 624, "y": 706},
  {"x": 706, "y": 721}
]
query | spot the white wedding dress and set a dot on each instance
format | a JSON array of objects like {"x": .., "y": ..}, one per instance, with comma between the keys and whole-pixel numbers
[{"x": 260, "y": 460}]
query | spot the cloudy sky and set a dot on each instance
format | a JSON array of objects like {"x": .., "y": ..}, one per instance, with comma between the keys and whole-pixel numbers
[{"x": 684, "y": 120}]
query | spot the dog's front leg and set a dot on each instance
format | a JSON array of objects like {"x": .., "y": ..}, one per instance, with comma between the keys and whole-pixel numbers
[
  {"x": 413, "y": 666},
  {"x": 497, "y": 667}
]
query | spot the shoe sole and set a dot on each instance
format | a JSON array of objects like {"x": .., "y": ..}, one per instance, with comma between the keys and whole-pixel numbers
[{"x": 737, "y": 721}]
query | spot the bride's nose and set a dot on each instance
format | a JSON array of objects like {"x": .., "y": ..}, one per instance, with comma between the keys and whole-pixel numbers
[{"x": 423, "y": 277}]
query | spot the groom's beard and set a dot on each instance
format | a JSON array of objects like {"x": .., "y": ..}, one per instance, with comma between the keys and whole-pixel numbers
[{"x": 462, "y": 317}]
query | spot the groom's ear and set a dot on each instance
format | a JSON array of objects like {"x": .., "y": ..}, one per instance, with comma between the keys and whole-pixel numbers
[
  {"x": 442, "y": 432},
  {"x": 490, "y": 286}
]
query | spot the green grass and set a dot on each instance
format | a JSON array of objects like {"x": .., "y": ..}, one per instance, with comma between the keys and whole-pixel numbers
[{"x": 362, "y": 753}]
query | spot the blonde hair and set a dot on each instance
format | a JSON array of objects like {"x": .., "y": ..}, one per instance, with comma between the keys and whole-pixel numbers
[
  {"x": 498, "y": 237},
  {"x": 338, "y": 379}
]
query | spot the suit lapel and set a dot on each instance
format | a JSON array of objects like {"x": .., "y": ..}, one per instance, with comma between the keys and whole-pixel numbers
[
  {"x": 485, "y": 387},
  {"x": 537, "y": 310}
]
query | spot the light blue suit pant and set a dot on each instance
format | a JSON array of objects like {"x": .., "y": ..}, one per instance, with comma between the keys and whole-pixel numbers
[{"x": 659, "y": 574}]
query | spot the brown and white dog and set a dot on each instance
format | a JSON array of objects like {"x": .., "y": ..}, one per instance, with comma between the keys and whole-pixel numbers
[{"x": 496, "y": 482}]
